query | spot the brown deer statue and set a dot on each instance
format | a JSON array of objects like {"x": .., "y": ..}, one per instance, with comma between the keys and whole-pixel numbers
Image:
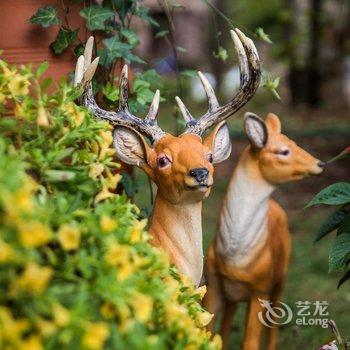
[
  {"x": 181, "y": 166},
  {"x": 248, "y": 259}
]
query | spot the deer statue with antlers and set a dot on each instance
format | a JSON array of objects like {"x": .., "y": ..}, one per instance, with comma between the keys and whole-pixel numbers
[
  {"x": 249, "y": 257},
  {"x": 181, "y": 166}
]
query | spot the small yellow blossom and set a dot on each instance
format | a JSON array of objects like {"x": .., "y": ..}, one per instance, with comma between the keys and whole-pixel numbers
[
  {"x": 112, "y": 180},
  {"x": 136, "y": 231},
  {"x": 2, "y": 97},
  {"x": 118, "y": 254},
  {"x": 32, "y": 343},
  {"x": 46, "y": 328},
  {"x": 60, "y": 314},
  {"x": 143, "y": 306},
  {"x": 19, "y": 110},
  {"x": 108, "y": 224},
  {"x": 126, "y": 326},
  {"x": 69, "y": 237},
  {"x": 42, "y": 119},
  {"x": 104, "y": 194},
  {"x": 201, "y": 291},
  {"x": 217, "y": 341},
  {"x": 95, "y": 335},
  {"x": 35, "y": 278},
  {"x": 124, "y": 271},
  {"x": 105, "y": 149},
  {"x": 18, "y": 86},
  {"x": 33, "y": 234},
  {"x": 108, "y": 310},
  {"x": 96, "y": 169},
  {"x": 11, "y": 328},
  {"x": 77, "y": 114},
  {"x": 204, "y": 318},
  {"x": 6, "y": 252}
]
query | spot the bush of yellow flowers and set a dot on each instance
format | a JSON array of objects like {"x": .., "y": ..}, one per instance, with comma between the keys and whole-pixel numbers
[{"x": 76, "y": 268}]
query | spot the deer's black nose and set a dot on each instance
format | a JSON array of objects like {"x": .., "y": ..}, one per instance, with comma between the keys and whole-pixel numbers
[
  {"x": 321, "y": 164},
  {"x": 200, "y": 174}
]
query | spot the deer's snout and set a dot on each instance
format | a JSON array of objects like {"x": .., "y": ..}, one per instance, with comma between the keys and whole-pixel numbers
[{"x": 199, "y": 174}]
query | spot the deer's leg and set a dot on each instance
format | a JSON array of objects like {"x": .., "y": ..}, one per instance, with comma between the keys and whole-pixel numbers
[
  {"x": 253, "y": 326},
  {"x": 272, "y": 333},
  {"x": 213, "y": 299},
  {"x": 225, "y": 330}
]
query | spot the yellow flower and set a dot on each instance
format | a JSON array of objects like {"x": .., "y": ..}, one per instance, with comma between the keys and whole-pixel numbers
[
  {"x": 135, "y": 234},
  {"x": 69, "y": 237},
  {"x": 143, "y": 306},
  {"x": 95, "y": 335},
  {"x": 104, "y": 194},
  {"x": 201, "y": 291},
  {"x": 112, "y": 180},
  {"x": 124, "y": 271},
  {"x": 35, "y": 278},
  {"x": 204, "y": 318},
  {"x": 105, "y": 143},
  {"x": 46, "y": 328},
  {"x": 77, "y": 114},
  {"x": 96, "y": 170},
  {"x": 2, "y": 97},
  {"x": 6, "y": 252},
  {"x": 19, "y": 110},
  {"x": 108, "y": 310},
  {"x": 60, "y": 314},
  {"x": 33, "y": 234},
  {"x": 11, "y": 328},
  {"x": 108, "y": 224},
  {"x": 18, "y": 85},
  {"x": 217, "y": 341},
  {"x": 118, "y": 254},
  {"x": 42, "y": 119},
  {"x": 32, "y": 343}
]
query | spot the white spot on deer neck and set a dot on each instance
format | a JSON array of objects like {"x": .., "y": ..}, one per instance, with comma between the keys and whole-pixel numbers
[{"x": 243, "y": 220}]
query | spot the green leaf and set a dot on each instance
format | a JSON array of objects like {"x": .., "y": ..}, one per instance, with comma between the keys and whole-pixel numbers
[
  {"x": 41, "y": 69},
  {"x": 130, "y": 36},
  {"x": 335, "y": 194},
  {"x": 111, "y": 92},
  {"x": 114, "y": 49},
  {"x": 45, "y": 16},
  {"x": 96, "y": 16},
  {"x": 260, "y": 34},
  {"x": 129, "y": 185},
  {"x": 331, "y": 223},
  {"x": 59, "y": 175},
  {"x": 270, "y": 83},
  {"x": 221, "y": 54},
  {"x": 142, "y": 12},
  {"x": 189, "y": 73},
  {"x": 64, "y": 38},
  {"x": 161, "y": 34},
  {"x": 344, "y": 278},
  {"x": 340, "y": 251}
]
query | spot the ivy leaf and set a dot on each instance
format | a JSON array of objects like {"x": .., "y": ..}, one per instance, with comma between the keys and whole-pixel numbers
[
  {"x": 111, "y": 92},
  {"x": 340, "y": 251},
  {"x": 332, "y": 222},
  {"x": 221, "y": 54},
  {"x": 260, "y": 34},
  {"x": 45, "y": 16},
  {"x": 64, "y": 38},
  {"x": 344, "y": 278},
  {"x": 130, "y": 36},
  {"x": 96, "y": 16},
  {"x": 142, "y": 12},
  {"x": 161, "y": 34},
  {"x": 189, "y": 73},
  {"x": 335, "y": 194},
  {"x": 271, "y": 84},
  {"x": 129, "y": 185},
  {"x": 123, "y": 6}
]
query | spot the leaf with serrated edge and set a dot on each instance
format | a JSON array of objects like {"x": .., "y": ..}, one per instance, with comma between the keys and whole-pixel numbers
[{"x": 335, "y": 194}]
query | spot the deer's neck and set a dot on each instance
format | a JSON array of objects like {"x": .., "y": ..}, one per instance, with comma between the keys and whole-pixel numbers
[
  {"x": 243, "y": 220},
  {"x": 177, "y": 229}
]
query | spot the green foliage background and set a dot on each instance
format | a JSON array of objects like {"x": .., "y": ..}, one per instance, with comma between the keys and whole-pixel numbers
[{"x": 76, "y": 268}]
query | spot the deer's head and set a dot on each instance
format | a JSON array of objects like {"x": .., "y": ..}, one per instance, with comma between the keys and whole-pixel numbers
[
  {"x": 279, "y": 158},
  {"x": 181, "y": 166}
]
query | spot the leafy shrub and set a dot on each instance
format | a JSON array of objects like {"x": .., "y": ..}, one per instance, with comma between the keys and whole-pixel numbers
[
  {"x": 338, "y": 195},
  {"x": 76, "y": 268}
]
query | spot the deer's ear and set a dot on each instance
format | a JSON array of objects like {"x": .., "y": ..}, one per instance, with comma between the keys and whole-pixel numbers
[
  {"x": 273, "y": 124},
  {"x": 131, "y": 147},
  {"x": 219, "y": 142},
  {"x": 256, "y": 130}
]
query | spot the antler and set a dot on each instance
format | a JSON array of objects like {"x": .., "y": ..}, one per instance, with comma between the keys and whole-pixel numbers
[
  {"x": 250, "y": 72},
  {"x": 85, "y": 70}
]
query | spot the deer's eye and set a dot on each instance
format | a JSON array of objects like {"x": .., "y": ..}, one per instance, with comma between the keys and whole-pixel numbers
[
  {"x": 210, "y": 158},
  {"x": 163, "y": 162},
  {"x": 284, "y": 152}
]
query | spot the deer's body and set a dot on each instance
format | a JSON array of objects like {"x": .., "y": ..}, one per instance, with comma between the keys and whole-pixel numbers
[
  {"x": 249, "y": 257},
  {"x": 180, "y": 166}
]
